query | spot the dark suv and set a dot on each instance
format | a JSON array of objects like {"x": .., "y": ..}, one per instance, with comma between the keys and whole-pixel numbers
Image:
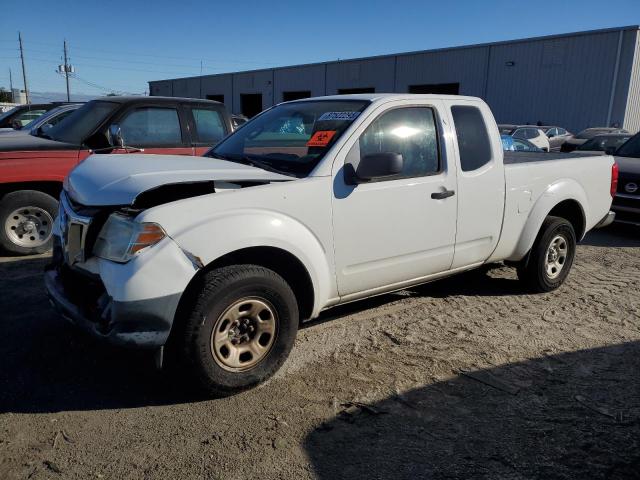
[{"x": 626, "y": 203}]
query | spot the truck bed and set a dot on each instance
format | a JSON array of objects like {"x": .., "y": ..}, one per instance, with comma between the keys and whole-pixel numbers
[{"x": 511, "y": 157}]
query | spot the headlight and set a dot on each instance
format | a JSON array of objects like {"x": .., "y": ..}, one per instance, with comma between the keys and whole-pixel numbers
[{"x": 121, "y": 238}]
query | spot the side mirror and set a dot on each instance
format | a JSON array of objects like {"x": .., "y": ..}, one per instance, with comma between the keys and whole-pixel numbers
[
  {"x": 16, "y": 125},
  {"x": 115, "y": 136},
  {"x": 44, "y": 128},
  {"x": 378, "y": 165},
  {"x": 550, "y": 135}
]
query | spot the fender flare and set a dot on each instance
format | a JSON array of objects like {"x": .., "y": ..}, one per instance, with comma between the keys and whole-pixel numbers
[
  {"x": 557, "y": 192},
  {"x": 261, "y": 228}
]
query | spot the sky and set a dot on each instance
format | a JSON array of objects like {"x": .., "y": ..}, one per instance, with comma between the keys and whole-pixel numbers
[{"x": 121, "y": 45}]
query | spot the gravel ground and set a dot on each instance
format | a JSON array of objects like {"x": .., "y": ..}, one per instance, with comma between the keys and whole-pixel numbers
[{"x": 464, "y": 378}]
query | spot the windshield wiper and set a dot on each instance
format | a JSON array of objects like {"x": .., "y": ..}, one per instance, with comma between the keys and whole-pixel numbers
[{"x": 247, "y": 160}]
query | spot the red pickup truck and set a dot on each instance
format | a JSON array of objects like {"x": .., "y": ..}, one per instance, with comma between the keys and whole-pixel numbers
[{"x": 32, "y": 168}]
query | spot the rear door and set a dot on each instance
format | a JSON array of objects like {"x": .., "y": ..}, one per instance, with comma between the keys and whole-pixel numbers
[
  {"x": 207, "y": 126},
  {"x": 156, "y": 129},
  {"x": 481, "y": 182},
  {"x": 396, "y": 229}
]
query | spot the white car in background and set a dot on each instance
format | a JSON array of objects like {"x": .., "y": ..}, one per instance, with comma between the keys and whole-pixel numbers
[
  {"x": 43, "y": 123},
  {"x": 527, "y": 132}
]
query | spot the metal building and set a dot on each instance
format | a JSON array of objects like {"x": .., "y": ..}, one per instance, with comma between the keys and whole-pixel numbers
[{"x": 574, "y": 80}]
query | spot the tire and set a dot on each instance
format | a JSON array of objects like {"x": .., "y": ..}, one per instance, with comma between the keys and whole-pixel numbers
[
  {"x": 223, "y": 300},
  {"x": 551, "y": 256},
  {"x": 26, "y": 222}
]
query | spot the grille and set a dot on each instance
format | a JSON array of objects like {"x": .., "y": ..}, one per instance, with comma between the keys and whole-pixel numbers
[{"x": 73, "y": 229}]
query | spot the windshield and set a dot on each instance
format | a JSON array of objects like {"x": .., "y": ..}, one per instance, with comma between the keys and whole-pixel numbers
[
  {"x": 602, "y": 143},
  {"x": 291, "y": 138},
  {"x": 8, "y": 113},
  {"x": 79, "y": 125},
  {"x": 631, "y": 148}
]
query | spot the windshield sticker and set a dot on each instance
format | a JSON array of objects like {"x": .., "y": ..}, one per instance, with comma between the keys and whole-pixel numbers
[
  {"x": 321, "y": 138},
  {"x": 345, "y": 116}
]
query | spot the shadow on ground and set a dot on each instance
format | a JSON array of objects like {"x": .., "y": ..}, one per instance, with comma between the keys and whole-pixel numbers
[
  {"x": 615, "y": 235},
  {"x": 49, "y": 366},
  {"x": 575, "y": 415}
]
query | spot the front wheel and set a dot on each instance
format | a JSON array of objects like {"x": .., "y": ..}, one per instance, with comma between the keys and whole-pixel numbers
[
  {"x": 240, "y": 329},
  {"x": 551, "y": 256},
  {"x": 26, "y": 222}
]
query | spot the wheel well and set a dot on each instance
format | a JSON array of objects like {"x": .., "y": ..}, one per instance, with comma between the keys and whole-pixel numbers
[
  {"x": 571, "y": 211},
  {"x": 50, "y": 188},
  {"x": 280, "y": 261}
]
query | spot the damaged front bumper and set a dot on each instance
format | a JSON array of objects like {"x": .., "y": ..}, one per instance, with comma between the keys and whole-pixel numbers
[{"x": 130, "y": 304}]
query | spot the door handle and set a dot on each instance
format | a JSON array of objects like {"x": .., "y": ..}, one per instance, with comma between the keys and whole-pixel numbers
[{"x": 443, "y": 194}]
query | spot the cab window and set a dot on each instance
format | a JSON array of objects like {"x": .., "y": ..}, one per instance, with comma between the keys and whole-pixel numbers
[{"x": 473, "y": 138}]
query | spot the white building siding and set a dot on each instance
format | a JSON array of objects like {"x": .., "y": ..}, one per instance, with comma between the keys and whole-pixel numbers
[{"x": 632, "y": 110}]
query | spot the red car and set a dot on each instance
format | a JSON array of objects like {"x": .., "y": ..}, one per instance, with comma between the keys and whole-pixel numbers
[{"x": 32, "y": 169}]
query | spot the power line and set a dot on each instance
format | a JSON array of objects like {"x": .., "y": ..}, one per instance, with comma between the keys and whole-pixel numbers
[
  {"x": 140, "y": 54},
  {"x": 99, "y": 87}
]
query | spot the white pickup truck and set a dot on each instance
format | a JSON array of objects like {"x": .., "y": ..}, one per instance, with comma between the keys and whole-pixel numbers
[{"x": 215, "y": 260}]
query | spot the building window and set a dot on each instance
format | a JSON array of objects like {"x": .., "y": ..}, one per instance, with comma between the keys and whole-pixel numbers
[
  {"x": 250, "y": 104},
  {"x": 437, "y": 88},
  {"x": 289, "y": 96},
  {"x": 350, "y": 91}
]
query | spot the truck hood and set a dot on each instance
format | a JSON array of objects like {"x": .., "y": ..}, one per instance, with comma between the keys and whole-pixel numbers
[
  {"x": 14, "y": 143},
  {"x": 113, "y": 179}
]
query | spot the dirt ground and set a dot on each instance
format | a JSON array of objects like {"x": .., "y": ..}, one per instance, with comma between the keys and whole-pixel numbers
[{"x": 464, "y": 378}]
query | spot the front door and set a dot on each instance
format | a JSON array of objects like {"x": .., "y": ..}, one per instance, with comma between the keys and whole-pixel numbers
[
  {"x": 396, "y": 229},
  {"x": 155, "y": 130}
]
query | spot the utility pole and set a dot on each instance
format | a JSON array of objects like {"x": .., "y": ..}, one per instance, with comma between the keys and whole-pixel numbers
[
  {"x": 24, "y": 71},
  {"x": 66, "y": 71},
  {"x": 11, "y": 85}
]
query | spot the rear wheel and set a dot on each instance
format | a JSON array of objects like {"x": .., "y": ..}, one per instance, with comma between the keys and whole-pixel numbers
[
  {"x": 551, "y": 256},
  {"x": 240, "y": 329},
  {"x": 26, "y": 222}
]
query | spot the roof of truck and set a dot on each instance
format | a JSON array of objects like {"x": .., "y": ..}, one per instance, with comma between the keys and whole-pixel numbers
[
  {"x": 395, "y": 96},
  {"x": 146, "y": 99}
]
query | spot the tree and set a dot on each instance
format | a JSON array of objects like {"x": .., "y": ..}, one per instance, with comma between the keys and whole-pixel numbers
[{"x": 5, "y": 96}]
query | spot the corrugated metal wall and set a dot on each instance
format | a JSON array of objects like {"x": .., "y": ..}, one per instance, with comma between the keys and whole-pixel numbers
[
  {"x": 632, "y": 110},
  {"x": 377, "y": 73},
  {"x": 296, "y": 79},
  {"x": 467, "y": 66},
  {"x": 576, "y": 81}
]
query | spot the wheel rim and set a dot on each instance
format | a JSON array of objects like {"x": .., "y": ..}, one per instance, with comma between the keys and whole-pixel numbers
[
  {"x": 29, "y": 227},
  {"x": 556, "y": 257},
  {"x": 244, "y": 334}
]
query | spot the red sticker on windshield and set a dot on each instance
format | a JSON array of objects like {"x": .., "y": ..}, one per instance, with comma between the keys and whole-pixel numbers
[{"x": 321, "y": 138}]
